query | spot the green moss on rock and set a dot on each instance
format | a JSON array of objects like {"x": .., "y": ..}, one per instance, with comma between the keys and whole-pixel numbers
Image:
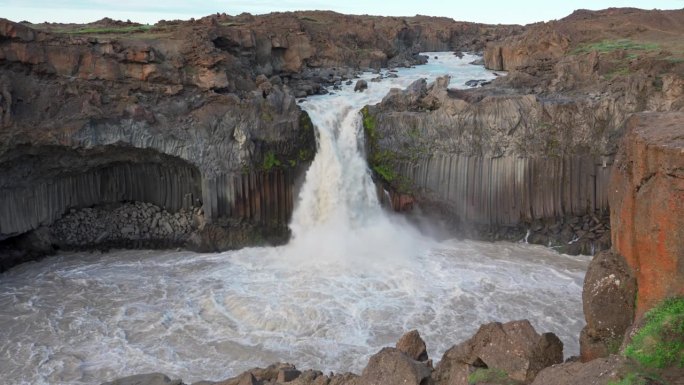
[{"x": 660, "y": 342}]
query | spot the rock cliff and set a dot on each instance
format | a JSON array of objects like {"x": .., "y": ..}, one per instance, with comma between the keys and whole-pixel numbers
[
  {"x": 196, "y": 116},
  {"x": 647, "y": 205},
  {"x": 538, "y": 144},
  {"x": 89, "y": 121}
]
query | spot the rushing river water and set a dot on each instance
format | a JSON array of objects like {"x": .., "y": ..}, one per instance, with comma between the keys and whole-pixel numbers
[{"x": 352, "y": 280}]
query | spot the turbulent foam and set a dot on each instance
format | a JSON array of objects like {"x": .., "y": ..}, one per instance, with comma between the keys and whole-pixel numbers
[
  {"x": 352, "y": 281},
  {"x": 81, "y": 318}
]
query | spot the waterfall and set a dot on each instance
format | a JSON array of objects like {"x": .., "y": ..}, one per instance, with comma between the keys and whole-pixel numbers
[
  {"x": 353, "y": 279},
  {"x": 338, "y": 217}
]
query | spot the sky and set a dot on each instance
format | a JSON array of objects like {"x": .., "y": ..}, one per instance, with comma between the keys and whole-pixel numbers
[{"x": 151, "y": 11}]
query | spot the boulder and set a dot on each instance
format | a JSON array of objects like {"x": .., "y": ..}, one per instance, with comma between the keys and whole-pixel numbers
[
  {"x": 361, "y": 85},
  {"x": 414, "y": 346},
  {"x": 608, "y": 301},
  {"x": 514, "y": 348},
  {"x": 647, "y": 205},
  {"x": 391, "y": 366},
  {"x": 601, "y": 371},
  {"x": 145, "y": 379}
]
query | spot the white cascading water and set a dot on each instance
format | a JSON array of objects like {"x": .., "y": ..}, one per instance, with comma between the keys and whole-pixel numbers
[{"x": 352, "y": 280}]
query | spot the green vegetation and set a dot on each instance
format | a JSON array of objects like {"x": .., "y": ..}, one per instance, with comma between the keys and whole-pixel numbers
[
  {"x": 660, "y": 342},
  {"x": 618, "y": 71},
  {"x": 270, "y": 161},
  {"x": 381, "y": 161},
  {"x": 311, "y": 19},
  {"x": 630, "y": 379},
  {"x": 306, "y": 138},
  {"x": 487, "y": 376},
  {"x": 615, "y": 45},
  {"x": 674, "y": 59},
  {"x": 369, "y": 124},
  {"x": 384, "y": 162},
  {"x": 110, "y": 30}
]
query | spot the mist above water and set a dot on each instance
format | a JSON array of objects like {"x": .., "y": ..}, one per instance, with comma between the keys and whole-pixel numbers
[{"x": 351, "y": 281}]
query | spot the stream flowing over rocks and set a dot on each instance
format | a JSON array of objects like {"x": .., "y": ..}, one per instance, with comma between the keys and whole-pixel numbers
[{"x": 352, "y": 279}]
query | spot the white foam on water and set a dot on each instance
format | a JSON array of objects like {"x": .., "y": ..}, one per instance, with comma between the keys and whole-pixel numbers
[{"x": 352, "y": 280}]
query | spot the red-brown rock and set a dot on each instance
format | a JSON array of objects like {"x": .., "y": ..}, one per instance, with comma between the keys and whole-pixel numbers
[
  {"x": 414, "y": 346},
  {"x": 647, "y": 205}
]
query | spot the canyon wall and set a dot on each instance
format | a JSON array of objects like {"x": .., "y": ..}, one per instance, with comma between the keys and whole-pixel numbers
[
  {"x": 196, "y": 118},
  {"x": 98, "y": 124},
  {"x": 647, "y": 205},
  {"x": 533, "y": 148}
]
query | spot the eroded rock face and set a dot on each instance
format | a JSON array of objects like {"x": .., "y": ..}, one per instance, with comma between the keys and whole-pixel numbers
[
  {"x": 513, "y": 347},
  {"x": 647, "y": 205},
  {"x": 608, "y": 298},
  {"x": 92, "y": 121}
]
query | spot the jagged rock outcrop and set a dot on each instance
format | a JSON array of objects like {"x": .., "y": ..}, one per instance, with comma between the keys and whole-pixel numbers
[
  {"x": 514, "y": 348},
  {"x": 608, "y": 300},
  {"x": 413, "y": 345},
  {"x": 647, "y": 205}
]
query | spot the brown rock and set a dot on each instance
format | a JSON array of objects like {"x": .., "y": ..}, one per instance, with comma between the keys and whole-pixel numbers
[
  {"x": 598, "y": 372},
  {"x": 287, "y": 374},
  {"x": 414, "y": 346},
  {"x": 513, "y": 347},
  {"x": 391, "y": 366},
  {"x": 647, "y": 205},
  {"x": 608, "y": 299},
  {"x": 145, "y": 379},
  {"x": 360, "y": 86}
]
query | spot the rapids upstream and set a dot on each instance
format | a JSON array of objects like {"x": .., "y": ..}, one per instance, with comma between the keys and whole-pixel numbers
[{"x": 352, "y": 280}]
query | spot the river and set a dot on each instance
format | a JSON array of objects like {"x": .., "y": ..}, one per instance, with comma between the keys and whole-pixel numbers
[{"x": 352, "y": 280}]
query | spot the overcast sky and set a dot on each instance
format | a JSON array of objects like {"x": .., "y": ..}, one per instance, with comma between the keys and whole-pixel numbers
[{"x": 150, "y": 11}]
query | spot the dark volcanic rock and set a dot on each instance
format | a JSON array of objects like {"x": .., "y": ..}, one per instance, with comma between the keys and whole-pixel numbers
[{"x": 513, "y": 347}]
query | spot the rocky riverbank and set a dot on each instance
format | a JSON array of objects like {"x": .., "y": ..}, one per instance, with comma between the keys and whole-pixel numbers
[{"x": 515, "y": 349}]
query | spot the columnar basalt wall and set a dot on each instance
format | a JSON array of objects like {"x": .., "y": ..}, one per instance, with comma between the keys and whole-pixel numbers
[
  {"x": 264, "y": 197},
  {"x": 509, "y": 190},
  {"x": 170, "y": 186}
]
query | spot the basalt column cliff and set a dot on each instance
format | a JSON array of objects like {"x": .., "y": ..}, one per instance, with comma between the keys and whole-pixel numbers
[{"x": 182, "y": 134}]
